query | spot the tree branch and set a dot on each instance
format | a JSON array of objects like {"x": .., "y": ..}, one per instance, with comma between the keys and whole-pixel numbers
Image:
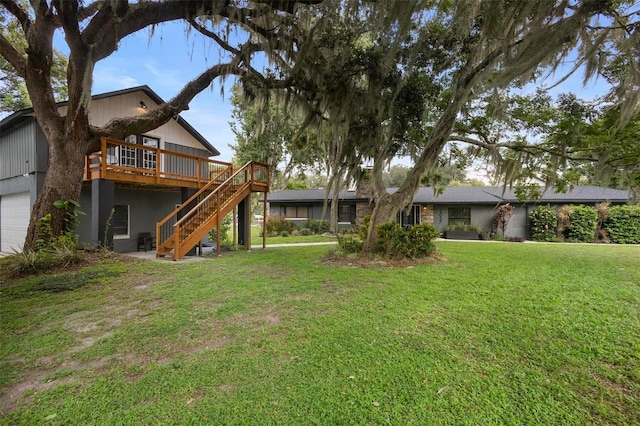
[
  {"x": 529, "y": 149},
  {"x": 68, "y": 14},
  {"x": 14, "y": 9},
  {"x": 86, "y": 11},
  {"x": 123, "y": 126},
  {"x": 13, "y": 56}
]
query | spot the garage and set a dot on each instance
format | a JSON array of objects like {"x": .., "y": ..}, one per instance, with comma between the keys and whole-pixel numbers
[{"x": 15, "y": 210}]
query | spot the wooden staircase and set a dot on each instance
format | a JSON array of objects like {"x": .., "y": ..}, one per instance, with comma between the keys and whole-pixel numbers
[{"x": 187, "y": 225}]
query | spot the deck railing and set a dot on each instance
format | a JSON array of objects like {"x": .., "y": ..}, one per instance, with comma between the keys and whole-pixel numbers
[{"x": 123, "y": 161}]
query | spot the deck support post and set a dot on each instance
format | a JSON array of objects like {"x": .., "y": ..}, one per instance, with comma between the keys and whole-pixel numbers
[
  {"x": 264, "y": 221},
  {"x": 102, "y": 201},
  {"x": 244, "y": 222}
]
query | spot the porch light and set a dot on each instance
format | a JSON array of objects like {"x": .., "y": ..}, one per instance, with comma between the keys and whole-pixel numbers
[{"x": 143, "y": 105}]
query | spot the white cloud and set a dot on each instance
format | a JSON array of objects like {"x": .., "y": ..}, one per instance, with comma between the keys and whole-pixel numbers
[{"x": 109, "y": 78}]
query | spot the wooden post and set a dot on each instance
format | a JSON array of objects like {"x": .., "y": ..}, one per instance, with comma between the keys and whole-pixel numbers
[
  {"x": 264, "y": 222},
  {"x": 176, "y": 242},
  {"x": 218, "y": 248},
  {"x": 248, "y": 223},
  {"x": 235, "y": 225},
  {"x": 103, "y": 158},
  {"x": 158, "y": 158},
  {"x": 159, "y": 238},
  {"x": 198, "y": 167}
]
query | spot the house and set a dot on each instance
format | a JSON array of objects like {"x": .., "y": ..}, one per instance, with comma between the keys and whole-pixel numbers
[
  {"x": 456, "y": 205},
  {"x": 146, "y": 185}
]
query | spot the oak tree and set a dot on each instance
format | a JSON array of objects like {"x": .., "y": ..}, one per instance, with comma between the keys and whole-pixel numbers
[{"x": 92, "y": 32}]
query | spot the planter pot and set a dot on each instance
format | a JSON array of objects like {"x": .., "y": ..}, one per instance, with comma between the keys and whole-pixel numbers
[{"x": 462, "y": 235}]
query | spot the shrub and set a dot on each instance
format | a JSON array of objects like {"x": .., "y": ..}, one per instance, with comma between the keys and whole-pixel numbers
[
  {"x": 305, "y": 232},
  {"x": 421, "y": 240},
  {"x": 317, "y": 226},
  {"x": 623, "y": 224},
  {"x": 503, "y": 216},
  {"x": 397, "y": 242},
  {"x": 349, "y": 243},
  {"x": 364, "y": 228},
  {"x": 392, "y": 240},
  {"x": 284, "y": 234},
  {"x": 27, "y": 262},
  {"x": 276, "y": 225},
  {"x": 564, "y": 220},
  {"x": 583, "y": 222},
  {"x": 225, "y": 227},
  {"x": 543, "y": 224}
]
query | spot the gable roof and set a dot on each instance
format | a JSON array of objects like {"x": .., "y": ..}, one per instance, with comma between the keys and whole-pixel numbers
[
  {"x": 469, "y": 195},
  {"x": 26, "y": 113}
]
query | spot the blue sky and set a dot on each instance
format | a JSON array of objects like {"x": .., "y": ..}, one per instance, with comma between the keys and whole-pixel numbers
[{"x": 165, "y": 62}]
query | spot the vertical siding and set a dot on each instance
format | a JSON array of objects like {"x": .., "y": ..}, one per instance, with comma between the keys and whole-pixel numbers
[
  {"x": 128, "y": 105},
  {"x": 184, "y": 166},
  {"x": 18, "y": 151},
  {"x": 42, "y": 150}
]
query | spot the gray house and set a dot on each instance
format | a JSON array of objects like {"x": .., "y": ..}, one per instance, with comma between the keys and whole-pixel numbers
[
  {"x": 157, "y": 172},
  {"x": 457, "y": 204}
]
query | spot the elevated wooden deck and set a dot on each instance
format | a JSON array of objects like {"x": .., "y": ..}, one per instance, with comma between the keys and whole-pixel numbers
[{"x": 138, "y": 164}]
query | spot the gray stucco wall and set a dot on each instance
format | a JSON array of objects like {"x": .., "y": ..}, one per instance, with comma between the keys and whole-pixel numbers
[
  {"x": 315, "y": 211},
  {"x": 146, "y": 207},
  {"x": 481, "y": 216},
  {"x": 517, "y": 226}
]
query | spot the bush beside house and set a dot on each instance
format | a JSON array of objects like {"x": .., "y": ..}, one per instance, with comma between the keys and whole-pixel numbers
[
  {"x": 623, "y": 224},
  {"x": 617, "y": 224},
  {"x": 277, "y": 225}
]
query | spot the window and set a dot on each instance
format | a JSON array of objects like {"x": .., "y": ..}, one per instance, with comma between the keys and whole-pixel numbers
[
  {"x": 460, "y": 216},
  {"x": 293, "y": 212},
  {"x": 133, "y": 157},
  {"x": 409, "y": 216},
  {"x": 128, "y": 154},
  {"x": 120, "y": 221},
  {"x": 149, "y": 157},
  {"x": 344, "y": 213}
]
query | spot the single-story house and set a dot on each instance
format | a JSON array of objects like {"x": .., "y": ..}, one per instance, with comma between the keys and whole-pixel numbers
[
  {"x": 469, "y": 205},
  {"x": 129, "y": 186}
]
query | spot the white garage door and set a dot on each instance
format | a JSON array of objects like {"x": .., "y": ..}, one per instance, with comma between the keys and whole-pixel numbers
[{"x": 15, "y": 210}]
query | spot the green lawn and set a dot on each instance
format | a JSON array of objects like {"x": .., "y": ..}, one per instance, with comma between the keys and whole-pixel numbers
[{"x": 500, "y": 333}]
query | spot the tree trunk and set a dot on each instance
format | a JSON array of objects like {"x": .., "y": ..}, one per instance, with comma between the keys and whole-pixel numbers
[
  {"x": 333, "y": 225},
  {"x": 63, "y": 181}
]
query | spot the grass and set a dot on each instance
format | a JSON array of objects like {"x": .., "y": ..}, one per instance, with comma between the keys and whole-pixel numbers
[{"x": 498, "y": 334}]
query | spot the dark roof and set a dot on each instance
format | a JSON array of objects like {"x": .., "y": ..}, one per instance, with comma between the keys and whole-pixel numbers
[
  {"x": 24, "y": 114},
  {"x": 471, "y": 195},
  {"x": 306, "y": 195}
]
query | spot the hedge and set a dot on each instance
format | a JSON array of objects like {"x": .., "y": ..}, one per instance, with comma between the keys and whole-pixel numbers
[
  {"x": 584, "y": 220},
  {"x": 543, "y": 222},
  {"x": 623, "y": 224}
]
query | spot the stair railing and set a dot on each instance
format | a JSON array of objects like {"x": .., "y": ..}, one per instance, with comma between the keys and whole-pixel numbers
[
  {"x": 212, "y": 204},
  {"x": 165, "y": 228}
]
